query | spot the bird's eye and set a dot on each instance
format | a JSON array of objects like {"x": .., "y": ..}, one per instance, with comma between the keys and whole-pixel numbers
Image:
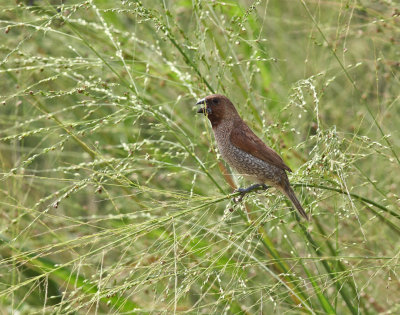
[{"x": 215, "y": 101}]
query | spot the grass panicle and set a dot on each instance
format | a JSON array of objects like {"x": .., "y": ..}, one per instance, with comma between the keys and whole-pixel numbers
[{"x": 114, "y": 196}]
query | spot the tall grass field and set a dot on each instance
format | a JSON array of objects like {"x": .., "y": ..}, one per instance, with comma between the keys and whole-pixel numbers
[{"x": 114, "y": 198}]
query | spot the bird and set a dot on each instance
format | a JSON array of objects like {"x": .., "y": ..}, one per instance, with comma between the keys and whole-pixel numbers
[{"x": 244, "y": 151}]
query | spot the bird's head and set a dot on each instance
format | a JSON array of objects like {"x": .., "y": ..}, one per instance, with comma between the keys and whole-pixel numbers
[{"x": 217, "y": 108}]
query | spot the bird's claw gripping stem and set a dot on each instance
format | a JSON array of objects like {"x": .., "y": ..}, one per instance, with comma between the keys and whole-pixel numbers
[{"x": 244, "y": 191}]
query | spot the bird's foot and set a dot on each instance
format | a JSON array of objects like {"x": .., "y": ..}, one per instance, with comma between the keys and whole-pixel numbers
[{"x": 244, "y": 191}]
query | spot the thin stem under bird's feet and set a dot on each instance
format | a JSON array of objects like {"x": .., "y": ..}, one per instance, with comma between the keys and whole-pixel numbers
[{"x": 244, "y": 191}]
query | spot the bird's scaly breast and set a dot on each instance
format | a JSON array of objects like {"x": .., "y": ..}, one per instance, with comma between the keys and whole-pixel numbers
[{"x": 244, "y": 163}]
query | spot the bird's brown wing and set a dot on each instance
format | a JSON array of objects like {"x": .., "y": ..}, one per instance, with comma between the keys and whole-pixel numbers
[{"x": 245, "y": 139}]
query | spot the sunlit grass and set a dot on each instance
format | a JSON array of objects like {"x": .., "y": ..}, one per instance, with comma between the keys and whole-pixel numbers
[{"x": 114, "y": 198}]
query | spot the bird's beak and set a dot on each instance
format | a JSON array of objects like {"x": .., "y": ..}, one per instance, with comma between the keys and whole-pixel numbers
[
  {"x": 203, "y": 110},
  {"x": 202, "y": 101}
]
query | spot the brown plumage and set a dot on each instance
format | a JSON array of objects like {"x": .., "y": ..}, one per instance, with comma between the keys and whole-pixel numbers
[{"x": 244, "y": 151}]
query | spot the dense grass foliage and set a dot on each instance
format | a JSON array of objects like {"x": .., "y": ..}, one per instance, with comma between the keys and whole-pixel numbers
[{"x": 114, "y": 198}]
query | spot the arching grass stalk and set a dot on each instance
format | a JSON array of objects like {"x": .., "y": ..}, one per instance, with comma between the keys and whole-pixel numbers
[{"x": 355, "y": 196}]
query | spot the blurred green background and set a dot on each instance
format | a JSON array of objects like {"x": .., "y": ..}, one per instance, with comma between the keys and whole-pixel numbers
[{"x": 114, "y": 199}]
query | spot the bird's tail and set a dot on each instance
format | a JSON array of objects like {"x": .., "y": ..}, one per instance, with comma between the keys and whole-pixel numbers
[{"x": 288, "y": 191}]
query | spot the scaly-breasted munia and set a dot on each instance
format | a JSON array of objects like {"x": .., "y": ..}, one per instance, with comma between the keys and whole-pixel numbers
[{"x": 244, "y": 151}]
